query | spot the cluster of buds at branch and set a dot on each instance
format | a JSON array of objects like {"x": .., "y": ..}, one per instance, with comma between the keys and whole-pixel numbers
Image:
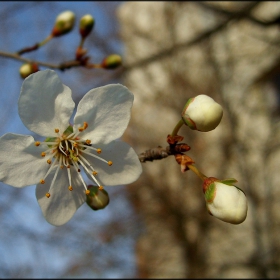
[
  {"x": 223, "y": 200},
  {"x": 64, "y": 23}
]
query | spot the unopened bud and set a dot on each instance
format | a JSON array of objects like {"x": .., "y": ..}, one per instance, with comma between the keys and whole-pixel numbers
[
  {"x": 64, "y": 23},
  {"x": 112, "y": 61},
  {"x": 28, "y": 68},
  {"x": 202, "y": 113},
  {"x": 86, "y": 25},
  {"x": 97, "y": 198},
  {"x": 225, "y": 201}
]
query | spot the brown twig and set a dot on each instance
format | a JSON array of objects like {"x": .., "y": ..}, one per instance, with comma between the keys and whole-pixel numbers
[
  {"x": 62, "y": 66},
  {"x": 161, "y": 153}
]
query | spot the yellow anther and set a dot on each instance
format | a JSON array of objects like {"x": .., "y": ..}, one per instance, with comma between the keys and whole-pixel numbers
[
  {"x": 49, "y": 161},
  {"x": 56, "y": 130},
  {"x": 99, "y": 151},
  {"x": 43, "y": 154},
  {"x": 61, "y": 166},
  {"x": 94, "y": 173},
  {"x": 81, "y": 129},
  {"x": 87, "y": 192},
  {"x": 110, "y": 163},
  {"x": 70, "y": 188},
  {"x": 42, "y": 181},
  {"x": 100, "y": 188},
  {"x": 68, "y": 166},
  {"x": 85, "y": 125},
  {"x": 48, "y": 195},
  {"x": 37, "y": 143},
  {"x": 88, "y": 141},
  {"x": 75, "y": 145}
]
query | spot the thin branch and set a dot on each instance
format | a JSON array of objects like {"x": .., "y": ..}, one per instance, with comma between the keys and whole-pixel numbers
[
  {"x": 161, "y": 153},
  {"x": 196, "y": 40},
  {"x": 231, "y": 13},
  {"x": 62, "y": 66}
]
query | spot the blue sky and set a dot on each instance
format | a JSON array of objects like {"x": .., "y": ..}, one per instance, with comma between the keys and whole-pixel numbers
[{"x": 29, "y": 246}]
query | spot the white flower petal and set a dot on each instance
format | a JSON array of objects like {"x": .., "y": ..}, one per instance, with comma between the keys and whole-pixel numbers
[
  {"x": 45, "y": 103},
  {"x": 60, "y": 207},
  {"x": 21, "y": 163},
  {"x": 126, "y": 166},
  {"x": 107, "y": 111}
]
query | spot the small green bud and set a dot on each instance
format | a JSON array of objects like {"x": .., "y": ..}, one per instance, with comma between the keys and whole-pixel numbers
[
  {"x": 97, "y": 198},
  {"x": 86, "y": 25},
  {"x": 28, "y": 68},
  {"x": 112, "y": 61},
  {"x": 64, "y": 23}
]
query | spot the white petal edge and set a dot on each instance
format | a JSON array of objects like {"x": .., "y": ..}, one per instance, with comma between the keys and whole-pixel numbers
[
  {"x": 126, "y": 166},
  {"x": 45, "y": 103},
  {"x": 107, "y": 111},
  {"x": 21, "y": 163},
  {"x": 60, "y": 207}
]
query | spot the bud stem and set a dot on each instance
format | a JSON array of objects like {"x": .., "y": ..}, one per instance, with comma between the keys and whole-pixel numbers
[
  {"x": 177, "y": 127},
  {"x": 92, "y": 65},
  {"x": 197, "y": 172},
  {"x": 82, "y": 42},
  {"x": 45, "y": 40}
]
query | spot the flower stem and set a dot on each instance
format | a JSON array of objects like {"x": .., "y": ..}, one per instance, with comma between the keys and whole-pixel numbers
[
  {"x": 177, "y": 128},
  {"x": 197, "y": 172}
]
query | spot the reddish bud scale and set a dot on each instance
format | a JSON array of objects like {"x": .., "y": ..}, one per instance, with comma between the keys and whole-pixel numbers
[
  {"x": 207, "y": 182},
  {"x": 174, "y": 139}
]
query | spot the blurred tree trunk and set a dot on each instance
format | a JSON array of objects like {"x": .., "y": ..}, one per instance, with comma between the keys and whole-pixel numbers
[{"x": 229, "y": 51}]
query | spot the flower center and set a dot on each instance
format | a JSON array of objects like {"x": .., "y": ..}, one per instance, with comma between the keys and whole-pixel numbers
[{"x": 68, "y": 150}]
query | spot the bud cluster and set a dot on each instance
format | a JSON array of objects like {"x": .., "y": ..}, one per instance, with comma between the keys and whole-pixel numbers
[
  {"x": 223, "y": 199},
  {"x": 64, "y": 23}
]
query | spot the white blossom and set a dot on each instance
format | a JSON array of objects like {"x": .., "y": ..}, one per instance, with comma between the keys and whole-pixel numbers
[{"x": 92, "y": 144}]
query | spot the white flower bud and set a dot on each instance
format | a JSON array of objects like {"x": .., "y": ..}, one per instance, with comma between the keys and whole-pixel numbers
[
  {"x": 63, "y": 23},
  {"x": 224, "y": 201},
  {"x": 202, "y": 113}
]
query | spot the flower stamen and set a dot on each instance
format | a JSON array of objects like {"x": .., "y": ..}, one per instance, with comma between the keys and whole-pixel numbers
[
  {"x": 37, "y": 143},
  {"x": 67, "y": 150}
]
